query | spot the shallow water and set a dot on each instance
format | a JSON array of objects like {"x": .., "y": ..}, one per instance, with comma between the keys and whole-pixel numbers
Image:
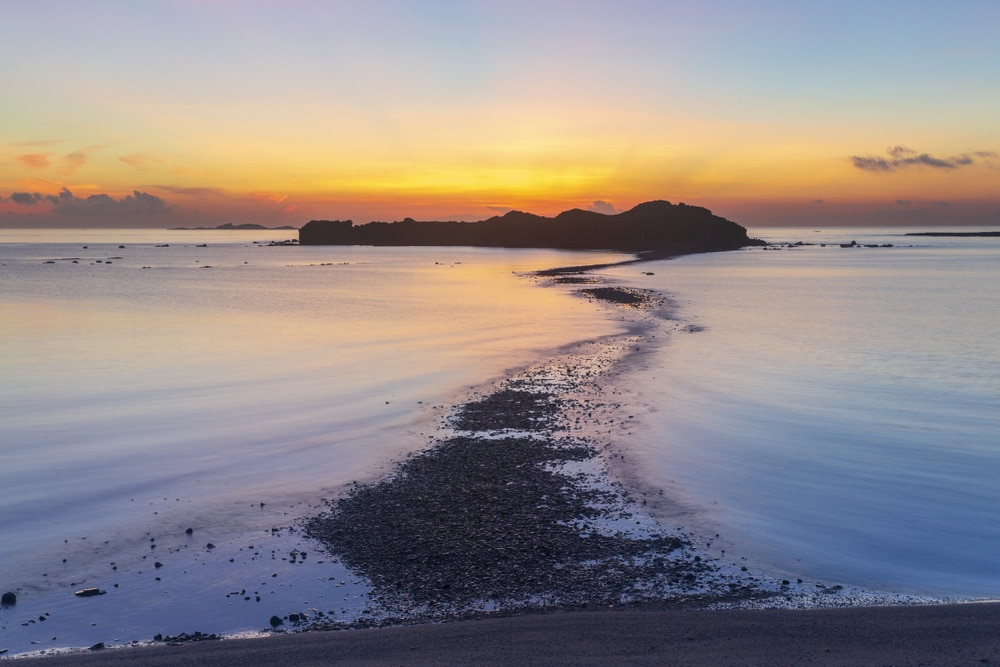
[
  {"x": 835, "y": 413},
  {"x": 227, "y": 388}
]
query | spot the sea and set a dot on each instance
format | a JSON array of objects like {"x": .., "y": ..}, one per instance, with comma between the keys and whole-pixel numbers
[{"x": 173, "y": 401}]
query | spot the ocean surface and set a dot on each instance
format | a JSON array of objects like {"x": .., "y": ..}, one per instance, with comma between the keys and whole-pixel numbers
[
  {"x": 835, "y": 412},
  {"x": 831, "y": 413}
]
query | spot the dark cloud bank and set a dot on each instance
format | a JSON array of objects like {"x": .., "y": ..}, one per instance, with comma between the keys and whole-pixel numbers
[
  {"x": 66, "y": 203},
  {"x": 900, "y": 157}
]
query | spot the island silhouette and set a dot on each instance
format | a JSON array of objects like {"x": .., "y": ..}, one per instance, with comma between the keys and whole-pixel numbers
[{"x": 654, "y": 226}]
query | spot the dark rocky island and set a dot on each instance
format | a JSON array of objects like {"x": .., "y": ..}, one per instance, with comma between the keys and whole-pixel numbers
[{"x": 656, "y": 226}]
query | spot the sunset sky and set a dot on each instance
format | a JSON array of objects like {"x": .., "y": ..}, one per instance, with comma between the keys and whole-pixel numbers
[{"x": 162, "y": 113}]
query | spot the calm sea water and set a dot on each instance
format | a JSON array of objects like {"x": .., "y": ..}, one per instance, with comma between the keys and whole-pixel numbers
[
  {"x": 204, "y": 379},
  {"x": 831, "y": 413},
  {"x": 836, "y": 413}
]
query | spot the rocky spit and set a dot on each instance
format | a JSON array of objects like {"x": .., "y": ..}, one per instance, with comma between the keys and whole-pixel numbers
[{"x": 515, "y": 506}]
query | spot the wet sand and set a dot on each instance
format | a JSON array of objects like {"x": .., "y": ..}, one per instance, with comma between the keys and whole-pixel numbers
[{"x": 966, "y": 634}]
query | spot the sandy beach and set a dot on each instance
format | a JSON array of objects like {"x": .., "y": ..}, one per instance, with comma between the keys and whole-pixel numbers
[{"x": 967, "y": 634}]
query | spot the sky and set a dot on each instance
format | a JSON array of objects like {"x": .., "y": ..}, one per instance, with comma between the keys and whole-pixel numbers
[{"x": 166, "y": 113}]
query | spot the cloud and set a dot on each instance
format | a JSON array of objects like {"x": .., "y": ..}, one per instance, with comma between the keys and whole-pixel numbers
[
  {"x": 25, "y": 198},
  {"x": 66, "y": 203},
  {"x": 904, "y": 202},
  {"x": 819, "y": 201},
  {"x": 79, "y": 158},
  {"x": 901, "y": 157},
  {"x": 502, "y": 210},
  {"x": 190, "y": 192},
  {"x": 276, "y": 197},
  {"x": 34, "y": 160},
  {"x": 140, "y": 161},
  {"x": 604, "y": 207},
  {"x": 31, "y": 199}
]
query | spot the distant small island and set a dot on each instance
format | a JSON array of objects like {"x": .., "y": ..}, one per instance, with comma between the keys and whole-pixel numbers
[
  {"x": 230, "y": 225},
  {"x": 655, "y": 226},
  {"x": 953, "y": 234}
]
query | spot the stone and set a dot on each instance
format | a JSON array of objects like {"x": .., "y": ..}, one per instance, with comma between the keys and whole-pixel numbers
[
  {"x": 8, "y": 598},
  {"x": 89, "y": 592}
]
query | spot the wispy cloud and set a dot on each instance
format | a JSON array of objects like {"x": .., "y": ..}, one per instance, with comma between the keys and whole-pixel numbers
[
  {"x": 276, "y": 197},
  {"x": 79, "y": 158},
  {"x": 901, "y": 157},
  {"x": 140, "y": 161},
  {"x": 34, "y": 160},
  {"x": 189, "y": 191}
]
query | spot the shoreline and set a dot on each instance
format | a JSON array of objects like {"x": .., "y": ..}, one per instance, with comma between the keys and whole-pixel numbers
[{"x": 955, "y": 634}]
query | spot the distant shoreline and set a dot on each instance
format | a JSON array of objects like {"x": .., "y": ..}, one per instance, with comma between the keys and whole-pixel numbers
[
  {"x": 984, "y": 234},
  {"x": 230, "y": 226}
]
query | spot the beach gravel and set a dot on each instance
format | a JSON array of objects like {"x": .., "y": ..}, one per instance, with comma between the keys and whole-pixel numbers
[{"x": 513, "y": 510}]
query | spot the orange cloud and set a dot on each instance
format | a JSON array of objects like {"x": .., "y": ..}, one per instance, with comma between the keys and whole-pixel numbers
[
  {"x": 140, "y": 161},
  {"x": 186, "y": 191},
  {"x": 270, "y": 196},
  {"x": 79, "y": 158},
  {"x": 34, "y": 160}
]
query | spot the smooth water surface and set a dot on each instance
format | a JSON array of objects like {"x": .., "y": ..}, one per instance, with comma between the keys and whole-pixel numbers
[
  {"x": 205, "y": 379},
  {"x": 835, "y": 412}
]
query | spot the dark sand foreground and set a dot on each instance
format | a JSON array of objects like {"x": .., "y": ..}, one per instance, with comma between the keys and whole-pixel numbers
[{"x": 966, "y": 634}]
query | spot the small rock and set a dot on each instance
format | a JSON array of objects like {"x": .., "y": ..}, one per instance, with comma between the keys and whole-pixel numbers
[
  {"x": 89, "y": 592},
  {"x": 276, "y": 621},
  {"x": 99, "y": 646},
  {"x": 189, "y": 531},
  {"x": 8, "y": 598}
]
